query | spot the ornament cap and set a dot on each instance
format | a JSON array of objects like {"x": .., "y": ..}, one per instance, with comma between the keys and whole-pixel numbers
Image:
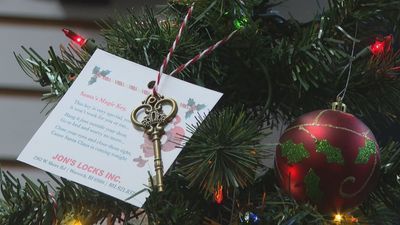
[{"x": 339, "y": 105}]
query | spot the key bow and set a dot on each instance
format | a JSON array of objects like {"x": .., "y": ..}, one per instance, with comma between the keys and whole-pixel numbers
[{"x": 155, "y": 118}]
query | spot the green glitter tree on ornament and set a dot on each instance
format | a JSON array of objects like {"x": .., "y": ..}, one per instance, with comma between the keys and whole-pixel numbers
[
  {"x": 311, "y": 180},
  {"x": 294, "y": 152},
  {"x": 333, "y": 155},
  {"x": 365, "y": 152}
]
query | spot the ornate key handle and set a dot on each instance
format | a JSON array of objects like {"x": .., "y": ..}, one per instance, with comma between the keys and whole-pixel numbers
[
  {"x": 155, "y": 118},
  {"x": 153, "y": 124}
]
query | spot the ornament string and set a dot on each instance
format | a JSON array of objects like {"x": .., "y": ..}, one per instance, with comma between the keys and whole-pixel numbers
[
  {"x": 199, "y": 56},
  {"x": 207, "y": 51},
  {"x": 342, "y": 93},
  {"x": 173, "y": 47}
]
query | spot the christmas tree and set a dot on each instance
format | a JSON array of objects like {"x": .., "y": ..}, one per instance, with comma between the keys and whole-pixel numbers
[{"x": 271, "y": 71}]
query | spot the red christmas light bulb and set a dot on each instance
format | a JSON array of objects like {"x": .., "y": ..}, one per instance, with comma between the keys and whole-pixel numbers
[
  {"x": 354, "y": 220},
  {"x": 78, "y": 39},
  {"x": 377, "y": 47},
  {"x": 382, "y": 45},
  {"x": 218, "y": 194}
]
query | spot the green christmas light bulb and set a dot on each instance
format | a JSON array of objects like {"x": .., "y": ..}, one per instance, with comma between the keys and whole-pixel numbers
[{"x": 240, "y": 23}]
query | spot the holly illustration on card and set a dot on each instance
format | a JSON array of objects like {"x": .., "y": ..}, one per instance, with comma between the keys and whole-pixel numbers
[{"x": 193, "y": 107}]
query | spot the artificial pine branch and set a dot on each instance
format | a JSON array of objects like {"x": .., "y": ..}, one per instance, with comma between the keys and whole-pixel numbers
[
  {"x": 283, "y": 67},
  {"x": 57, "y": 72},
  {"x": 25, "y": 205},
  {"x": 36, "y": 204},
  {"x": 178, "y": 204},
  {"x": 224, "y": 150},
  {"x": 146, "y": 40}
]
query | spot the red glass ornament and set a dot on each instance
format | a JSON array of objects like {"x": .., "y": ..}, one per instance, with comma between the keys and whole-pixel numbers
[
  {"x": 329, "y": 158},
  {"x": 218, "y": 194},
  {"x": 78, "y": 39}
]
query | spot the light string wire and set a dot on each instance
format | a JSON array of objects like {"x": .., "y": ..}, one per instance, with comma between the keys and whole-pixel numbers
[{"x": 342, "y": 93}]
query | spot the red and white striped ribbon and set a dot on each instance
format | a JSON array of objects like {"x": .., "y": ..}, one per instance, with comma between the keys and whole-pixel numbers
[
  {"x": 194, "y": 59},
  {"x": 202, "y": 54},
  {"x": 172, "y": 49}
]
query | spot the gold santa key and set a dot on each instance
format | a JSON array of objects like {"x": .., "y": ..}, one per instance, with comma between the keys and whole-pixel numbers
[{"x": 153, "y": 124}]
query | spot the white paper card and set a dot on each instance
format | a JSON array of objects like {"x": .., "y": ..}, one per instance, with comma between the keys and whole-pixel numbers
[{"x": 89, "y": 138}]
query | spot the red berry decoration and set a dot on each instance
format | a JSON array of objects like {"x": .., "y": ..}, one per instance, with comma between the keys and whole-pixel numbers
[{"x": 328, "y": 157}]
